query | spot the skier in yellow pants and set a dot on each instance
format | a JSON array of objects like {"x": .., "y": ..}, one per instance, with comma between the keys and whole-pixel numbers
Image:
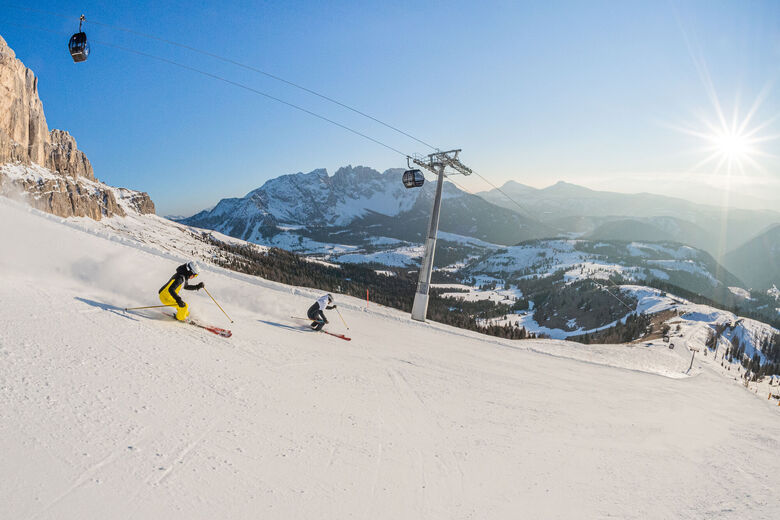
[{"x": 169, "y": 293}]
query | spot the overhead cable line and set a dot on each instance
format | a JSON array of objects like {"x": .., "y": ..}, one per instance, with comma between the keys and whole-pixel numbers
[
  {"x": 270, "y": 75},
  {"x": 618, "y": 299},
  {"x": 237, "y": 84},
  {"x": 242, "y": 65},
  {"x": 267, "y": 74},
  {"x": 231, "y": 82},
  {"x": 502, "y": 192},
  {"x": 251, "y": 89}
]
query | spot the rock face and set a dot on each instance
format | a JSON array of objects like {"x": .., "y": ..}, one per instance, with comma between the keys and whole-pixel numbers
[
  {"x": 63, "y": 196},
  {"x": 64, "y": 157},
  {"x": 25, "y": 140}
]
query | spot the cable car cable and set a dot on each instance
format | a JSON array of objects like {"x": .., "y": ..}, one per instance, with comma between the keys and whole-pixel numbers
[
  {"x": 267, "y": 74},
  {"x": 249, "y": 67},
  {"x": 273, "y": 76},
  {"x": 618, "y": 299},
  {"x": 242, "y": 65},
  {"x": 231, "y": 82},
  {"x": 250, "y": 89},
  {"x": 502, "y": 192}
]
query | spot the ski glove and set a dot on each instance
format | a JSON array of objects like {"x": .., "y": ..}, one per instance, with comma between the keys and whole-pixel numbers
[{"x": 200, "y": 286}]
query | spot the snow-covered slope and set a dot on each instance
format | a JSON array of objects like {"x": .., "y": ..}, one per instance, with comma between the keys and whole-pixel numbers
[
  {"x": 107, "y": 414},
  {"x": 649, "y": 301}
]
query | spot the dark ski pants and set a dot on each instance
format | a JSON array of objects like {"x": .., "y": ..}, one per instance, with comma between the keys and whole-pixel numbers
[{"x": 317, "y": 317}]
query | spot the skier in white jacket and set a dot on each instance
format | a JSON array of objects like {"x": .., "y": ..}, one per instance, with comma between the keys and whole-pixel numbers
[{"x": 315, "y": 311}]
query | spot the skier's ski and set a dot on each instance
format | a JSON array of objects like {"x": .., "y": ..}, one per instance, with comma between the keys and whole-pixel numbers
[
  {"x": 216, "y": 330},
  {"x": 342, "y": 336}
]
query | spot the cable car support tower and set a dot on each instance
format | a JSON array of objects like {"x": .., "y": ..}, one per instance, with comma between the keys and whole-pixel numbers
[{"x": 437, "y": 163}]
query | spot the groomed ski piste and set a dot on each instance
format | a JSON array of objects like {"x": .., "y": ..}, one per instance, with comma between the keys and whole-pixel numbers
[{"x": 114, "y": 415}]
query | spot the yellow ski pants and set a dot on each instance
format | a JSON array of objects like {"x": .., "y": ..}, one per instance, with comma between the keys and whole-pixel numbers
[{"x": 167, "y": 299}]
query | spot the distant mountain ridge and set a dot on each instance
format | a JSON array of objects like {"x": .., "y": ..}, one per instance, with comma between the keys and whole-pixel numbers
[
  {"x": 576, "y": 209},
  {"x": 758, "y": 261},
  {"x": 360, "y": 214},
  {"x": 362, "y": 202},
  {"x": 314, "y": 199},
  {"x": 654, "y": 229}
]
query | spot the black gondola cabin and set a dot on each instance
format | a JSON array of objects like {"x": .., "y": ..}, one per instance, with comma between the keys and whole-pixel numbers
[
  {"x": 78, "y": 44},
  {"x": 79, "y": 47},
  {"x": 413, "y": 178}
]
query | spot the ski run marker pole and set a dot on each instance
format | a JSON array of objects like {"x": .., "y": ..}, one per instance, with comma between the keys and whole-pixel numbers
[{"x": 218, "y": 305}]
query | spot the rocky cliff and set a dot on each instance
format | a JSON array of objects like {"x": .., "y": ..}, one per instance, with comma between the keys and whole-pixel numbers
[{"x": 46, "y": 165}]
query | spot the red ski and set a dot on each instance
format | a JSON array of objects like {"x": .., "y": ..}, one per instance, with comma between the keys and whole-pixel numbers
[
  {"x": 216, "y": 330},
  {"x": 342, "y": 336}
]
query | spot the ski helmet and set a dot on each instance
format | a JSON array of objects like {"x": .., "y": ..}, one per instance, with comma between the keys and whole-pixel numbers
[
  {"x": 193, "y": 268},
  {"x": 330, "y": 298}
]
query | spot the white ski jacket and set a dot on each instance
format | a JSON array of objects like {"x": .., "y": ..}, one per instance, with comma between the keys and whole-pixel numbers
[{"x": 323, "y": 302}]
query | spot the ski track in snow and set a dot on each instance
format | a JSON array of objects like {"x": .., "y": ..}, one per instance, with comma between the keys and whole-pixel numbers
[{"x": 105, "y": 414}]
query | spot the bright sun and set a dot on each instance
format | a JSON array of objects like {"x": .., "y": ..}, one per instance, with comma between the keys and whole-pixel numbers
[{"x": 731, "y": 146}]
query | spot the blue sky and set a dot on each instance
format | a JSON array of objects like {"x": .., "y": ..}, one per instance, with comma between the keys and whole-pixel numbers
[{"x": 588, "y": 92}]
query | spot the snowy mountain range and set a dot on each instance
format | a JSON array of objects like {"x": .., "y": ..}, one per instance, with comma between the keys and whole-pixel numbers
[
  {"x": 357, "y": 204},
  {"x": 364, "y": 216},
  {"x": 310, "y": 199}
]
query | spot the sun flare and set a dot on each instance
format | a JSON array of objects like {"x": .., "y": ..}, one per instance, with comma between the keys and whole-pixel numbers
[{"x": 732, "y": 146}]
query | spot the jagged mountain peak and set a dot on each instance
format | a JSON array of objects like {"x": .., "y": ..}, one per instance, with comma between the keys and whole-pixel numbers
[
  {"x": 362, "y": 198},
  {"x": 356, "y": 172},
  {"x": 310, "y": 199},
  {"x": 5, "y": 49}
]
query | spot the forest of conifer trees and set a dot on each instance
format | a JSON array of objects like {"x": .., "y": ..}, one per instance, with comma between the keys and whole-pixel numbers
[{"x": 393, "y": 291}]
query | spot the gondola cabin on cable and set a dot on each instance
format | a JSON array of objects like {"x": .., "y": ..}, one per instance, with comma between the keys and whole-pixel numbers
[
  {"x": 78, "y": 44},
  {"x": 413, "y": 178}
]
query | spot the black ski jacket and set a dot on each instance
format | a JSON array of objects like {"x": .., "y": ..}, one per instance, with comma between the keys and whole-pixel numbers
[{"x": 180, "y": 277}]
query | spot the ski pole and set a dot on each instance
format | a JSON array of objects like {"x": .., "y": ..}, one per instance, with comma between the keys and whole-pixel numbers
[
  {"x": 218, "y": 305},
  {"x": 342, "y": 318},
  {"x": 149, "y": 307}
]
